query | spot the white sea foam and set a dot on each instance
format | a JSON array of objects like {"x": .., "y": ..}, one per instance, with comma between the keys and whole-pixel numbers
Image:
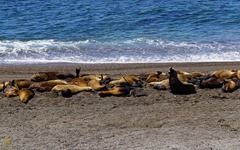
[{"x": 138, "y": 50}]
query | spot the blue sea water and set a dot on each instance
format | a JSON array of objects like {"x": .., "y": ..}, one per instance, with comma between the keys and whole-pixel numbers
[{"x": 126, "y": 31}]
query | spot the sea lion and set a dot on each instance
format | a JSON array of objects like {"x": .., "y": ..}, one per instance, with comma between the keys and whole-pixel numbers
[
  {"x": 25, "y": 95},
  {"x": 2, "y": 86},
  {"x": 95, "y": 84},
  {"x": 184, "y": 76},
  {"x": 129, "y": 79},
  {"x": 20, "y": 83},
  {"x": 230, "y": 85},
  {"x": 45, "y": 76},
  {"x": 10, "y": 90},
  {"x": 156, "y": 76},
  {"x": 46, "y": 85},
  {"x": 211, "y": 83},
  {"x": 162, "y": 85},
  {"x": 224, "y": 74},
  {"x": 118, "y": 90},
  {"x": 73, "y": 88},
  {"x": 177, "y": 87}
]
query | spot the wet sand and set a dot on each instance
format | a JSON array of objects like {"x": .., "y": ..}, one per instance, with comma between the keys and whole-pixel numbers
[{"x": 208, "y": 119}]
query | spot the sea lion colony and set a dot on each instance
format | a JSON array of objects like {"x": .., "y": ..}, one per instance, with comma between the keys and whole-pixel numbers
[{"x": 175, "y": 81}]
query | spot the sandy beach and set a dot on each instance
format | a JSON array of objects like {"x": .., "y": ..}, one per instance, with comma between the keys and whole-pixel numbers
[{"x": 208, "y": 119}]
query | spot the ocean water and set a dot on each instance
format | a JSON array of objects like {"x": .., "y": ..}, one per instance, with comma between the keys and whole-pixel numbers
[{"x": 126, "y": 31}]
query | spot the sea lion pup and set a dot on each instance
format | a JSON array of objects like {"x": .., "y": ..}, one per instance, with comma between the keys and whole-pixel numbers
[
  {"x": 157, "y": 76},
  {"x": 46, "y": 85},
  {"x": 25, "y": 95},
  {"x": 73, "y": 88},
  {"x": 129, "y": 79},
  {"x": 177, "y": 87},
  {"x": 162, "y": 85},
  {"x": 45, "y": 76},
  {"x": 230, "y": 85},
  {"x": 10, "y": 90}
]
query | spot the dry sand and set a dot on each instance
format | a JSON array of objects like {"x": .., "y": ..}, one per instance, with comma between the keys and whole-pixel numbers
[{"x": 208, "y": 119}]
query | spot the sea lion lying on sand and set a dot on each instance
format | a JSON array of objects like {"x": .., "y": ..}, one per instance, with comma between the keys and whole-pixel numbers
[
  {"x": 46, "y": 85},
  {"x": 211, "y": 83},
  {"x": 162, "y": 85},
  {"x": 177, "y": 87},
  {"x": 45, "y": 76},
  {"x": 73, "y": 88},
  {"x": 10, "y": 90},
  {"x": 224, "y": 74},
  {"x": 118, "y": 90},
  {"x": 25, "y": 95},
  {"x": 20, "y": 83},
  {"x": 156, "y": 77},
  {"x": 230, "y": 85},
  {"x": 129, "y": 79}
]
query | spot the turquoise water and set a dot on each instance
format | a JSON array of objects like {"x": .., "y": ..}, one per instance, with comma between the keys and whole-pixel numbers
[{"x": 87, "y": 31}]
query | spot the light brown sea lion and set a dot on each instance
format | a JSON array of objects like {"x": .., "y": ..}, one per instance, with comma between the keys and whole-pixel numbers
[
  {"x": 95, "y": 84},
  {"x": 119, "y": 90},
  {"x": 178, "y": 87},
  {"x": 25, "y": 95},
  {"x": 230, "y": 85},
  {"x": 130, "y": 79},
  {"x": 2, "y": 85},
  {"x": 73, "y": 88},
  {"x": 224, "y": 74},
  {"x": 184, "y": 76},
  {"x": 82, "y": 82},
  {"x": 20, "y": 83},
  {"x": 156, "y": 77},
  {"x": 10, "y": 90},
  {"x": 47, "y": 85},
  {"x": 162, "y": 85},
  {"x": 45, "y": 76},
  {"x": 238, "y": 74}
]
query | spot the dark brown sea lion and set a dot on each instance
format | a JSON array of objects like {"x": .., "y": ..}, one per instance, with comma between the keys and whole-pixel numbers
[
  {"x": 177, "y": 87},
  {"x": 211, "y": 83},
  {"x": 25, "y": 94}
]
